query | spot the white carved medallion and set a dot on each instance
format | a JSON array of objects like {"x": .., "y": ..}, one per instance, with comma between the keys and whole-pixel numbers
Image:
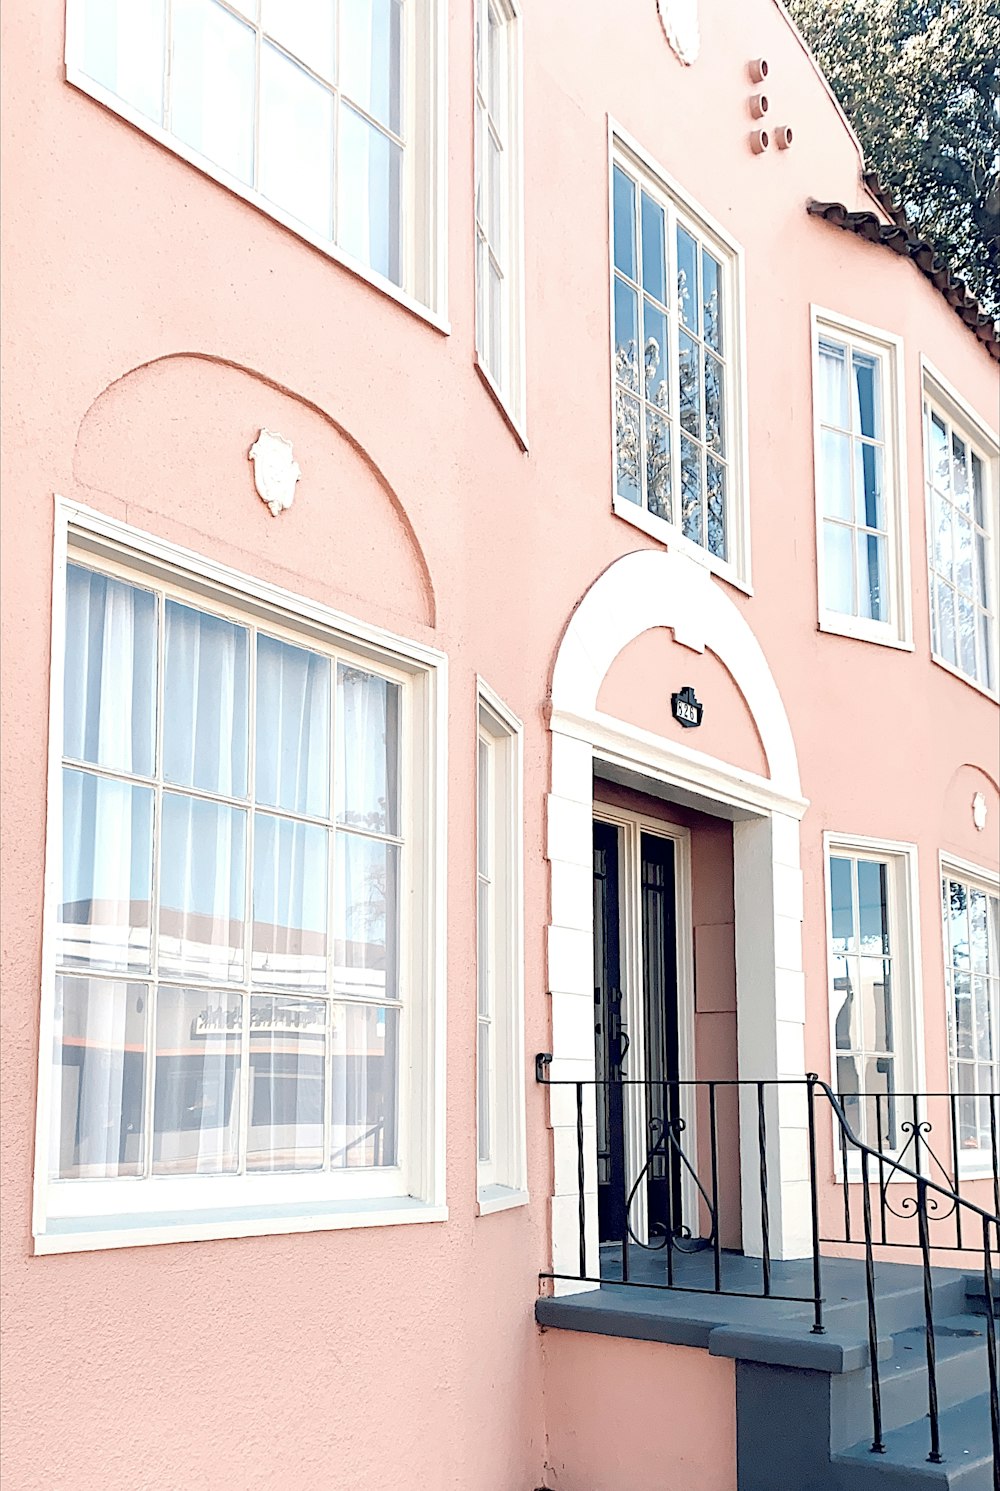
[
  {"x": 275, "y": 470},
  {"x": 679, "y": 19},
  {"x": 979, "y": 811}
]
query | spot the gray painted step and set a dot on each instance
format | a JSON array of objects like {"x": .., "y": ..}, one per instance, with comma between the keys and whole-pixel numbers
[
  {"x": 960, "y": 1344},
  {"x": 965, "y": 1444}
]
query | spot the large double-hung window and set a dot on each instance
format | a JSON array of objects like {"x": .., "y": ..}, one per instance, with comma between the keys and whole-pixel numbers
[
  {"x": 239, "y": 924},
  {"x": 677, "y": 391},
  {"x": 972, "y": 981},
  {"x": 323, "y": 113}
]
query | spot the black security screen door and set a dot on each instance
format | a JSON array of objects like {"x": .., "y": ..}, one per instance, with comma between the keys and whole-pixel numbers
[{"x": 659, "y": 975}]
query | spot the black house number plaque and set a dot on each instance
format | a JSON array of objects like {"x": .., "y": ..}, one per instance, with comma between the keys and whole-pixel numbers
[{"x": 686, "y": 708}]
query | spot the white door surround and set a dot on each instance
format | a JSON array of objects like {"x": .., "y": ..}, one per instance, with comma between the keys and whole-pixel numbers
[{"x": 656, "y": 588}]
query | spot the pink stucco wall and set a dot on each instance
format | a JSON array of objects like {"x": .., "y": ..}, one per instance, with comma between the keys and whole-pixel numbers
[{"x": 153, "y": 322}]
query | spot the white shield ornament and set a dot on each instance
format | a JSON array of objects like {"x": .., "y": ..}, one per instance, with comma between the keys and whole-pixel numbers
[
  {"x": 275, "y": 470},
  {"x": 679, "y": 19}
]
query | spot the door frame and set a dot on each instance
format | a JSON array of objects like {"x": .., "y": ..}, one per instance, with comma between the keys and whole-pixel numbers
[{"x": 631, "y": 826}]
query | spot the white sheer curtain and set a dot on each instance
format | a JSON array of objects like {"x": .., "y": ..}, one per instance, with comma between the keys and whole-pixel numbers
[
  {"x": 99, "y": 1079},
  {"x": 367, "y": 751},
  {"x": 202, "y": 886},
  {"x": 109, "y": 693},
  {"x": 107, "y": 873},
  {"x": 293, "y": 728},
  {"x": 205, "y": 702}
]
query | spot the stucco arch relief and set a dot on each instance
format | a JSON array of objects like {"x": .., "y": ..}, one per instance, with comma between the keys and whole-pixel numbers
[
  {"x": 643, "y": 593},
  {"x": 170, "y": 439}
]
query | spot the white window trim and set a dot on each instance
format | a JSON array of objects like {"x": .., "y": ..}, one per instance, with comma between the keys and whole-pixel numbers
[
  {"x": 966, "y": 870},
  {"x": 904, "y": 934},
  {"x": 512, "y": 401},
  {"x": 431, "y": 78},
  {"x": 503, "y": 1182},
  {"x": 937, "y": 389},
  {"x": 898, "y": 630},
  {"x": 296, "y": 1203},
  {"x": 736, "y": 571}
]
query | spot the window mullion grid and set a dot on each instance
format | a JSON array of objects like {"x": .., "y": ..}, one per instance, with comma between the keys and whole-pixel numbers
[
  {"x": 248, "y": 907},
  {"x": 154, "y": 893}
]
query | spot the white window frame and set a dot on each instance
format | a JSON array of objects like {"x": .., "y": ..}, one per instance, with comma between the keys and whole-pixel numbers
[
  {"x": 897, "y": 631},
  {"x": 959, "y": 413},
  {"x": 508, "y": 391},
  {"x": 971, "y": 1164},
  {"x": 625, "y": 150},
  {"x": 502, "y": 1180},
  {"x": 425, "y": 172},
  {"x": 904, "y": 936},
  {"x": 71, "y": 1216}
]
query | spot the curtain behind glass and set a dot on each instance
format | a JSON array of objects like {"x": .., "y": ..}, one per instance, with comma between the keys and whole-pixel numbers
[
  {"x": 204, "y": 702},
  {"x": 109, "y": 689}
]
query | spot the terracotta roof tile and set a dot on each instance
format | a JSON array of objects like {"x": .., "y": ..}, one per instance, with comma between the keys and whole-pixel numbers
[{"x": 902, "y": 238}]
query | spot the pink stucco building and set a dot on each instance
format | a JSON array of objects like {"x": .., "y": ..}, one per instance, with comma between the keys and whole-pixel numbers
[{"x": 500, "y": 559}]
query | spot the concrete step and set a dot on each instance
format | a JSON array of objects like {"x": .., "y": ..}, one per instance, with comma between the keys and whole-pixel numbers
[
  {"x": 960, "y": 1344},
  {"x": 975, "y": 1292},
  {"x": 965, "y": 1444},
  {"x": 898, "y": 1306}
]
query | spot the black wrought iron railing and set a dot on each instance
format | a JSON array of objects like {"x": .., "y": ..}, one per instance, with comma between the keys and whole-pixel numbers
[{"x": 692, "y": 1208}]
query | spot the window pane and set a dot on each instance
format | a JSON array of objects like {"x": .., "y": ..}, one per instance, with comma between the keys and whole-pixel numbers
[
  {"x": 842, "y": 905},
  {"x": 483, "y": 969},
  {"x": 689, "y": 355},
  {"x": 687, "y": 279},
  {"x": 867, "y": 410},
  {"x": 880, "y": 1084},
  {"x": 963, "y": 554},
  {"x": 711, "y": 290},
  {"x": 873, "y": 905},
  {"x": 868, "y": 484},
  {"x": 202, "y": 887},
  {"x": 654, "y": 267},
  {"x": 983, "y": 1017},
  {"x": 293, "y": 728},
  {"x": 872, "y": 588},
  {"x": 967, "y": 636},
  {"x": 624, "y": 216},
  {"x": 626, "y": 335},
  {"x": 964, "y": 1023},
  {"x": 370, "y": 196},
  {"x": 657, "y": 465},
  {"x": 691, "y": 505},
  {"x": 627, "y": 447},
  {"x": 986, "y": 650},
  {"x": 978, "y": 491},
  {"x": 370, "y": 59},
  {"x": 287, "y": 1083},
  {"x": 109, "y": 688},
  {"x": 717, "y": 508},
  {"x": 847, "y": 1019},
  {"x": 296, "y": 141},
  {"x": 366, "y": 917},
  {"x": 364, "y": 1080},
  {"x": 104, "y": 917},
  {"x": 875, "y": 997},
  {"x": 367, "y": 750},
  {"x": 123, "y": 50},
  {"x": 838, "y": 569},
  {"x": 196, "y": 1093},
  {"x": 496, "y": 323},
  {"x": 832, "y": 397},
  {"x": 304, "y": 27},
  {"x": 656, "y": 355},
  {"x": 483, "y": 1090},
  {"x": 959, "y": 474},
  {"x": 495, "y": 178},
  {"x": 835, "y": 474},
  {"x": 212, "y": 84},
  {"x": 289, "y": 903},
  {"x": 943, "y": 538},
  {"x": 99, "y": 1082},
  {"x": 205, "y": 731},
  {"x": 715, "y": 418},
  {"x": 939, "y": 463},
  {"x": 982, "y": 572},
  {"x": 946, "y": 621},
  {"x": 483, "y": 789}
]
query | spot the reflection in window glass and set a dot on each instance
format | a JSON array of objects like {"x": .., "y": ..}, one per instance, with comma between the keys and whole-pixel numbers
[
  {"x": 287, "y": 1083},
  {"x": 104, "y": 913},
  {"x": 364, "y": 1076},
  {"x": 366, "y": 917},
  {"x": 99, "y": 1091},
  {"x": 202, "y": 889},
  {"x": 290, "y": 903},
  {"x": 205, "y": 702},
  {"x": 196, "y": 1093},
  {"x": 972, "y": 960},
  {"x": 109, "y": 678}
]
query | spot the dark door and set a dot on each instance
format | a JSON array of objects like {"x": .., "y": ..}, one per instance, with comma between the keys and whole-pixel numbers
[
  {"x": 663, "y": 1095},
  {"x": 611, "y": 1039}
]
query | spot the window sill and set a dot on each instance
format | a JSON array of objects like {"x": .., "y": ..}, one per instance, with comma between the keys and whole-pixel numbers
[
  {"x": 500, "y": 1198},
  {"x": 516, "y": 427},
  {"x": 857, "y": 631},
  {"x": 239, "y": 188},
  {"x": 964, "y": 678},
  {"x": 668, "y": 535},
  {"x": 90, "y": 1234}
]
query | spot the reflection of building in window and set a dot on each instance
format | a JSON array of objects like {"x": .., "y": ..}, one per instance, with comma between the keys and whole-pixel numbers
[{"x": 972, "y": 972}]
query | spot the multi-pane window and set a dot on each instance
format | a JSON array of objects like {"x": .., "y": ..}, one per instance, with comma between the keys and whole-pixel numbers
[
  {"x": 962, "y": 562},
  {"x": 305, "y": 107},
  {"x": 231, "y": 987},
  {"x": 854, "y": 471},
  {"x": 675, "y": 366},
  {"x": 869, "y": 996},
  {"x": 499, "y": 314},
  {"x": 499, "y": 992},
  {"x": 972, "y": 973}
]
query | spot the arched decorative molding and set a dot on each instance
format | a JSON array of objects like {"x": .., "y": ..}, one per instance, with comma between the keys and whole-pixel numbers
[
  {"x": 655, "y": 588},
  {"x": 119, "y": 384},
  {"x": 652, "y": 588}
]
